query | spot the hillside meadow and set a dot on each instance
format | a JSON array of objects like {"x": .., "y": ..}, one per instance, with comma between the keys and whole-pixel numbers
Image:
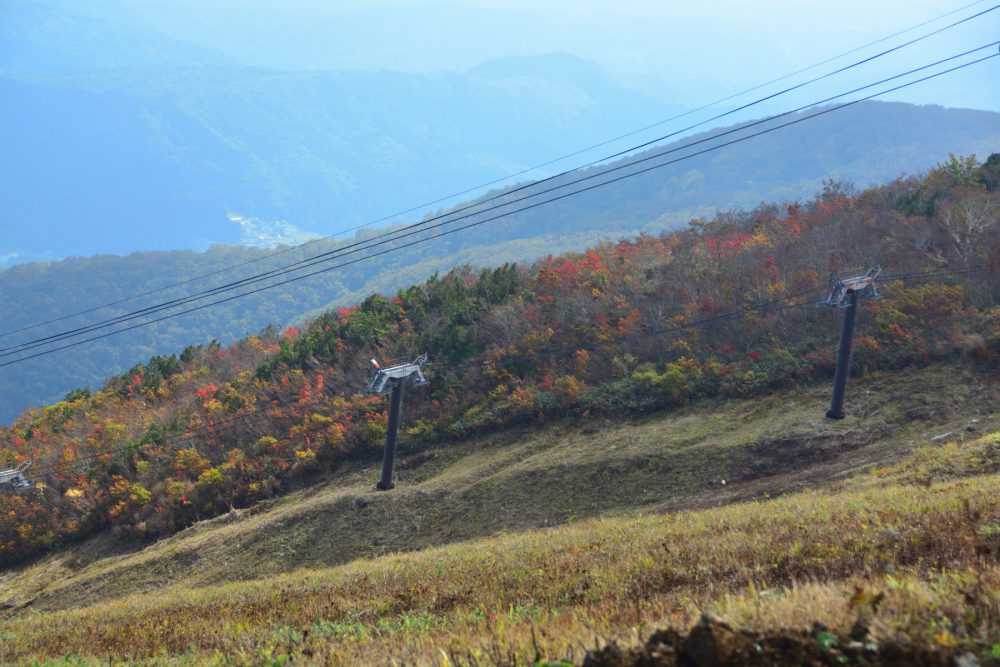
[
  {"x": 613, "y": 443},
  {"x": 722, "y": 309},
  {"x": 710, "y": 453},
  {"x": 908, "y": 550}
]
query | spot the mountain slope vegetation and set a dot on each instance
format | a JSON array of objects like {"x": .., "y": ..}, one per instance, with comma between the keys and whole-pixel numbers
[
  {"x": 662, "y": 397},
  {"x": 723, "y": 308},
  {"x": 895, "y": 561},
  {"x": 865, "y": 144}
]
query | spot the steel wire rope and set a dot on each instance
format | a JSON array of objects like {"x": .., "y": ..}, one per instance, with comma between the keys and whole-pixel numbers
[
  {"x": 135, "y": 446},
  {"x": 763, "y": 308},
  {"x": 496, "y": 181},
  {"x": 525, "y": 208},
  {"x": 603, "y": 159},
  {"x": 409, "y": 230}
]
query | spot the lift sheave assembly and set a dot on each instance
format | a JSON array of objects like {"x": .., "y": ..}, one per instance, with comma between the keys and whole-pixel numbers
[
  {"x": 13, "y": 479},
  {"x": 391, "y": 381}
]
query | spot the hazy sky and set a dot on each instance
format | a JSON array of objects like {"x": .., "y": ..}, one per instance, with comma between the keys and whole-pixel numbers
[
  {"x": 685, "y": 52},
  {"x": 689, "y": 51}
]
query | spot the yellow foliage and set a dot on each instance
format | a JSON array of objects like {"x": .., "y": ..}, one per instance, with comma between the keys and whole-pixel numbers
[
  {"x": 117, "y": 509},
  {"x": 189, "y": 462},
  {"x": 211, "y": 479},
  {"x": 139, "y": 495},
  {"x": 420, "y": 428},
  {"x": 760, "y": 239},
  {"x": 523, "y": 397},
  {"x": 945, "y": 638}
]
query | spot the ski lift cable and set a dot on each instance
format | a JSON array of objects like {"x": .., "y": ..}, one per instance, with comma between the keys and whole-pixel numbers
[
  {"x": 631, "y": 149},
  {"x": 404, "y": 234},
  {"x": 768, "y": 307}
]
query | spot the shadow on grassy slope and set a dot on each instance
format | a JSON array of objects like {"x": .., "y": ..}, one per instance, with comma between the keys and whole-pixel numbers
[{"x": 528, "y": 478}]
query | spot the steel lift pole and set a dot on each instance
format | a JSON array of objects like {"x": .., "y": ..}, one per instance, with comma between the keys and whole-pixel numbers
[
  {"x": 845, "y": 294},
  {"x": 836, "y": 410},
  {"x": 391, "y": 381},
  {"x": 392, "y": 429}
]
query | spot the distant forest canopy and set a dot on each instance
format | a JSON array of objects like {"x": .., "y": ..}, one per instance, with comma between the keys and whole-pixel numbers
[
  {"x": 869, "y": 143},
  {"x": 619, "y": 328}
]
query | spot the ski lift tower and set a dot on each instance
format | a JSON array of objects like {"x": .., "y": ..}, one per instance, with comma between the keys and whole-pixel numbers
[
  {"x": 13, "y": 479},
  {"x": 392, "y": 380},
  {"x": 845, "y": 293}
]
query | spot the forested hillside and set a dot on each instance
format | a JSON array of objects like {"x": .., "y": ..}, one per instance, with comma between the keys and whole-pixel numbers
[
  {"x": 868, "y": 143},
  {"x": 721, "y": 307},
  {"x": 38, "y": 292}
]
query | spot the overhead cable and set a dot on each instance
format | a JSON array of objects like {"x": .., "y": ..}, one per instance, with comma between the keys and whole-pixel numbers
[
  {"x": 578, "y": 152},
  {"x": 423, "y": 226}
]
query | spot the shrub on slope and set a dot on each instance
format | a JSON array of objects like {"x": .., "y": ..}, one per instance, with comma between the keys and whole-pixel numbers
[{"x": 614, "y": 329}]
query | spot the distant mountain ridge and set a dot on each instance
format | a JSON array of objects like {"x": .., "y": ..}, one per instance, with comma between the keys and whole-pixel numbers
[
  {"x": 865, "y": 144},
  {"x": 561, "y": 67},
  {"x": 118, "y": 160},
  {"x": 37, "y": 36}
]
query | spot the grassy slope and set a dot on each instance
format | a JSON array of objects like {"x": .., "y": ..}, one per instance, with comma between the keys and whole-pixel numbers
[
  {"x": 535, "y": 477},
  {"x": 526, "y": 479}
]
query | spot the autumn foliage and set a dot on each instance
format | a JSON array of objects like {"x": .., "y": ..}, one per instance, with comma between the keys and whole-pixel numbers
[{"x": 639, "y": 324}]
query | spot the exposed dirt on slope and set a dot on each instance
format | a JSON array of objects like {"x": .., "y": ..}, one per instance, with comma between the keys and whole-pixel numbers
[{"x": 713, "y": 643}]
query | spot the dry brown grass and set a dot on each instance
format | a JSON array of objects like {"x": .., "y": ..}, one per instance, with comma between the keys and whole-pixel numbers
[
  {"x": 533, "y": 478},
  {"x": 790, "y": 561},
  {"x": 921, "y": 532}
]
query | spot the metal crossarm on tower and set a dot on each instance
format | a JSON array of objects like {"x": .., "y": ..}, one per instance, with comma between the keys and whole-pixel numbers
[
  {"x": 13, "y": 479},
  {"x": 392, "y": 380},
  {"x": 863, "y": 286},
  {"x": 845, "y": 293},
  {"x": 382, "y": 378}
]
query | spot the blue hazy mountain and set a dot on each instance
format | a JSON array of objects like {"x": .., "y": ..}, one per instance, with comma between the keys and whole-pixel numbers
[
  {"x": 124, "y": 159},
  {"x": 865, "y": 144}
]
